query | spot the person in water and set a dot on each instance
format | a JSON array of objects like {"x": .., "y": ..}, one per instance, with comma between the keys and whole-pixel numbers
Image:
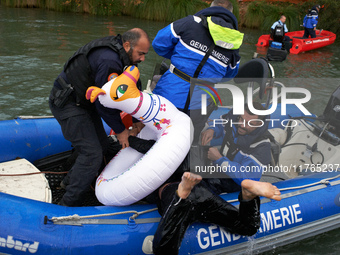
[{"x": 192, "y": 201}]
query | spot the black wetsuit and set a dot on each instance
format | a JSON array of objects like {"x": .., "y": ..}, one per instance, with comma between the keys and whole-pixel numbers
[{"x": 201, "y": 206}]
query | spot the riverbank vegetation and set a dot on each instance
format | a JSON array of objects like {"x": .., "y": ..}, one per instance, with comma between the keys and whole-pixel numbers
[
  {"x": 262, "y": 14},
  {"x": 161, "y": 10},
  {"x": 169, "y": 10},
  {"x": 253, "y": 14},
  {"x": 94, "y": 7}
]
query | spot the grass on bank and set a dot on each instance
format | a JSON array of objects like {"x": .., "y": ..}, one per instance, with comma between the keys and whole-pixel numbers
[
  {"x": 259, "y": 14},
  {"x": 95, "y": 7},
  {"x": 160, "y": 10},
  {"x": 262, "y": 15},
  {"x": 168, "y": 10}
]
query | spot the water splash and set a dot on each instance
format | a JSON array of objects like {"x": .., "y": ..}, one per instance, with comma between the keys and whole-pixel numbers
[{"x": 250, "y": 245}]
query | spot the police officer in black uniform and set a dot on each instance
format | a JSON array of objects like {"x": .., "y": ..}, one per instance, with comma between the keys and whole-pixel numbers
[{"x": 80, "y": 121}]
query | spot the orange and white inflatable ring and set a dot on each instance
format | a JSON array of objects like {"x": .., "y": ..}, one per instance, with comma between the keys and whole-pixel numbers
[{"x": 130, "y": 175}]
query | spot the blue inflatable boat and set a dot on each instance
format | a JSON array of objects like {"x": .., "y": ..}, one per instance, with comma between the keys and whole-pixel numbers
[
  {"x": 32, "y": 223},
  {"x": 310, "y": 202}
]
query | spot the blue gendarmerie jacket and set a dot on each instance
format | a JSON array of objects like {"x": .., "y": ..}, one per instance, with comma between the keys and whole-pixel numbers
[
  {"x": 253, "y": 155},
  {"x": 311, "y": 19},
  {"x": 185, "y": 42}
]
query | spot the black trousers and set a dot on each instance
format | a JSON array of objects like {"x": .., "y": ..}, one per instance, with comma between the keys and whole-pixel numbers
[
  {"x": 201, "y": 206},
  {"x": 309, "y": 32},
  {"x": 84, "y": 129}
]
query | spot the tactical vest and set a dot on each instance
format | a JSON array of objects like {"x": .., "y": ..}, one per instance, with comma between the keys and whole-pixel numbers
[
  {"x": 278, "y": 33},
  {"x": 232, "y": 148},
  {"x": 78, "y": 69}
]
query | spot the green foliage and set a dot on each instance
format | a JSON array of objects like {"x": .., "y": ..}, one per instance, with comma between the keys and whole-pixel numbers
[
  {"x": 163, "y": 10},
  {"x": 329, "y": 17},
  {"x": 262, "y": 15},
  {"x": 23, "y": 3},
  {"x": 106, "y": 7},
  {"x": 255, "y": 14},
  {"x": 96, "y": 7},
  {"x": 259, "y": 14},
  {"x": 158, "y": 10},
  {"x": 168, "y": 10},
  {"x": 236, "y": 10}
]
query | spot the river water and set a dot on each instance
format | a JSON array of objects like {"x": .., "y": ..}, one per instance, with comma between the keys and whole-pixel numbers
[{"x": 34, "y": 45}]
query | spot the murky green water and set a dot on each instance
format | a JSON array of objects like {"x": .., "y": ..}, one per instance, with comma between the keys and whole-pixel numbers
[{"x": 34, "y": 45}]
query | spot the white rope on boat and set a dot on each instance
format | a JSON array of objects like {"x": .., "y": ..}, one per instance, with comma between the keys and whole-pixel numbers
[
  {"x": 323, "y": 181},
  {"x": 77, "y": 217},
  {"x": 30, "y": 117}
]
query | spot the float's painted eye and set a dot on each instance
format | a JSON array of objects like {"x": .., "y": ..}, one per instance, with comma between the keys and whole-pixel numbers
[{"x": 121, "y": 90}]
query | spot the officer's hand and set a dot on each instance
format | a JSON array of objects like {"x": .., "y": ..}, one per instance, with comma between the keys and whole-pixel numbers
[
  {"x": 214, "y": 154},
  {"x": 207, "y": 136},
  {"x": 123, "y": 138},
  {"x": 138, "y": 126}
]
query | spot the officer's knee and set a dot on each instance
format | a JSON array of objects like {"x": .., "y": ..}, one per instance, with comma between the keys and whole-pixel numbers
[{"x": 93, "y": 159}]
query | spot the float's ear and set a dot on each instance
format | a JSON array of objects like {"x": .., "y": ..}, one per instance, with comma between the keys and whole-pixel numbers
[
  {"x": 124, "y": 86},
  {"x": 93, "y": 92}
]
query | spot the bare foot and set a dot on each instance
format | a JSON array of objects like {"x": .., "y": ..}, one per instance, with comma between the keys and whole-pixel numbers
[
  {"x": 252, "y": 189},
  {"x": 189, "y": 180}
]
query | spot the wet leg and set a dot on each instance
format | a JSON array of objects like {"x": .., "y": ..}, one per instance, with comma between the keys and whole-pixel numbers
[
  {"x": 244, "y": 221},
  {"x": 176, "y": 218},
  {"x": 189, "y": 180},
  {"x": 252, "y": 189}
]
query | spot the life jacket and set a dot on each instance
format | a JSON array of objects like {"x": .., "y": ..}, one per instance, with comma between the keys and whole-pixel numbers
[
  {"x": 78, "y": 69},
  {"x": 278, "y": 33},
  {"x": 228, "y": 145},
  {"x": 223, "y": 37}
]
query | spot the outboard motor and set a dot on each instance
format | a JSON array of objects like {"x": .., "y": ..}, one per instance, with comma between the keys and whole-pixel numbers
[{"x": 332, "y": 110}]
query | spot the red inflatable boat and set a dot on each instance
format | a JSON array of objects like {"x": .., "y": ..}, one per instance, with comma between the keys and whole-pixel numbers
[{"x": 323, "y": 38}]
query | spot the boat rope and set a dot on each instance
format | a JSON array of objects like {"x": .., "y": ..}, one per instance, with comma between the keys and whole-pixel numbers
[
  {"x": 30, "y": 117},
  {"x": 32, "y": 173},
  {"x": 89, "y": 219},
  {"x": 325, "y": 181},
  {"x": 76, "y": 217}
]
